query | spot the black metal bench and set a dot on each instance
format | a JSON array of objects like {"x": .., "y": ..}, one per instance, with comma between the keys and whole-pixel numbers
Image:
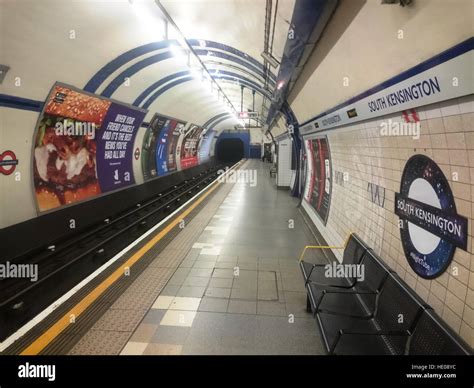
[
  {"x": 314, "y": 273},
  {"x": 432, "y": 337},
  {"x": 378, "y": 315},
  {"x": 384, "y": 330},
  {"x": 366, "y": 291}
]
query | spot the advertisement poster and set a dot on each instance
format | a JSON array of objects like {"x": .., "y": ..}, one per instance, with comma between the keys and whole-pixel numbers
[
  {"x": 205, "y": 145},
  {"x": 189, "y": 147},
  {"x": 166, "y": 151},
  {"x": 159, "y": 146},
  {"x": 430, "y": 229},
  {"x": 162, "y": 147},
  {"x": 150, "y": 145},
  {"x": 173, "y": 137},
  {"x": 83, "y": 146},
  {"x": 309, "y": 174},
  {"x": 115, "y": 146},
  {"x": 322, "y": 177}
]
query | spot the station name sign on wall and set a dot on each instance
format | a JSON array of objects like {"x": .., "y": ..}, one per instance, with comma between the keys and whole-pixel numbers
[
  {"x": 425, "y": 84},
  {"x": 430, "y": 228}
]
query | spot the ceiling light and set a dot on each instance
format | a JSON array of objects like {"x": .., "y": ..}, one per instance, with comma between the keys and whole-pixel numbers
[
  {"x": 177, "y": 51},
  {"x": 182, "y": 41},
  {"x": 270, "y": 59},
  {"x": 195, "y": 73}
]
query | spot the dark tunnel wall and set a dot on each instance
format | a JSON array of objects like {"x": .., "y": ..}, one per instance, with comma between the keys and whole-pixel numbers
[{"x": 230, "y": 150}]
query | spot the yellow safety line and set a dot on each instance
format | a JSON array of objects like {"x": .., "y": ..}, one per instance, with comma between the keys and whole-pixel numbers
[
  {"x": 49, "y": 335},
  {"x": 324, "y": 247}
]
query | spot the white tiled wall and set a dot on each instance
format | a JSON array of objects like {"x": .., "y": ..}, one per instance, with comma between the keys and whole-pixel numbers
[{"x": 447, "y": 137}]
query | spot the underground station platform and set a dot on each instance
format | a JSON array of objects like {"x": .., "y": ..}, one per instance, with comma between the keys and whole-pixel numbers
[{"x": 262, "y": 189}]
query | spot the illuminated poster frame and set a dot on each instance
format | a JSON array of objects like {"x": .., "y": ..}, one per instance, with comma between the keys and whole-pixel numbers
[
  {"x": 159, "y": 146},
  {"x": 82, "y": 147},
  {"x": 318, "y": 187},
  {"x": 189, "y": 146}
]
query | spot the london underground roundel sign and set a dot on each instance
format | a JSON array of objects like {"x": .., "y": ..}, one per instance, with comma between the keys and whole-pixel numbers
[{"x": 430, "y": 228}]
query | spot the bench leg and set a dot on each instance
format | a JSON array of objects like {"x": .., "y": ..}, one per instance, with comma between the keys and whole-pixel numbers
[{"x": 308, "y": 304}]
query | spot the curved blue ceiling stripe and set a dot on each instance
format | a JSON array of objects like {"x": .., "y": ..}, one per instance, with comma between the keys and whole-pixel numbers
[
  {"x": 166, "y": 88},
  {"x": 97, "y": 79},
  {"x": 179, "y": 81},
  {"x": 221, "y": 120},
  {"x": 231, "y": 58},
  {"x": 223, "y": 75},
  {"x": 159, "y": 92},
  {"x": 224, "y": 116},
  {"x": 224, "y": 47},
  {"x": 230, "y": 76},
  {"x": 156, "y": 85},
  {"x": 95, "y": 82},
  {"x": 139, "y": 100},
  {"x": 135, "y": 68},
  {"x": 213, "y": 118},
  {"x": 250, "y": 86}
]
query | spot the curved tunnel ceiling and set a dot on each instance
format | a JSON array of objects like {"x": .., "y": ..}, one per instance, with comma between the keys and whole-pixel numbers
[{"x": 145, "y": 68}]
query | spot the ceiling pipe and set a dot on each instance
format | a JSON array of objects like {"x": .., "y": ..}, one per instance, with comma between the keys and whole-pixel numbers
[{"x": 309, "y": 19}]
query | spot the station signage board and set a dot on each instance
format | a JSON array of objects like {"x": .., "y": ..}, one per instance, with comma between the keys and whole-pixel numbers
[{"x": 447, "y": 76}]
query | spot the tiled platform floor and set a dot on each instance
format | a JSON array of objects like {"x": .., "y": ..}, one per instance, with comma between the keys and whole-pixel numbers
[{"x": 239, "y": 290}]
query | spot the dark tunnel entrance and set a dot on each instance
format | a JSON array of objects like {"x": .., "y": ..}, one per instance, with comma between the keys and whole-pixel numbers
[{"x": 230, "y": 150}]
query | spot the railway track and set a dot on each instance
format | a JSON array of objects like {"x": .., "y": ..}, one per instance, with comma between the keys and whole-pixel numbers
[{"x": 64, "y": 263}]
